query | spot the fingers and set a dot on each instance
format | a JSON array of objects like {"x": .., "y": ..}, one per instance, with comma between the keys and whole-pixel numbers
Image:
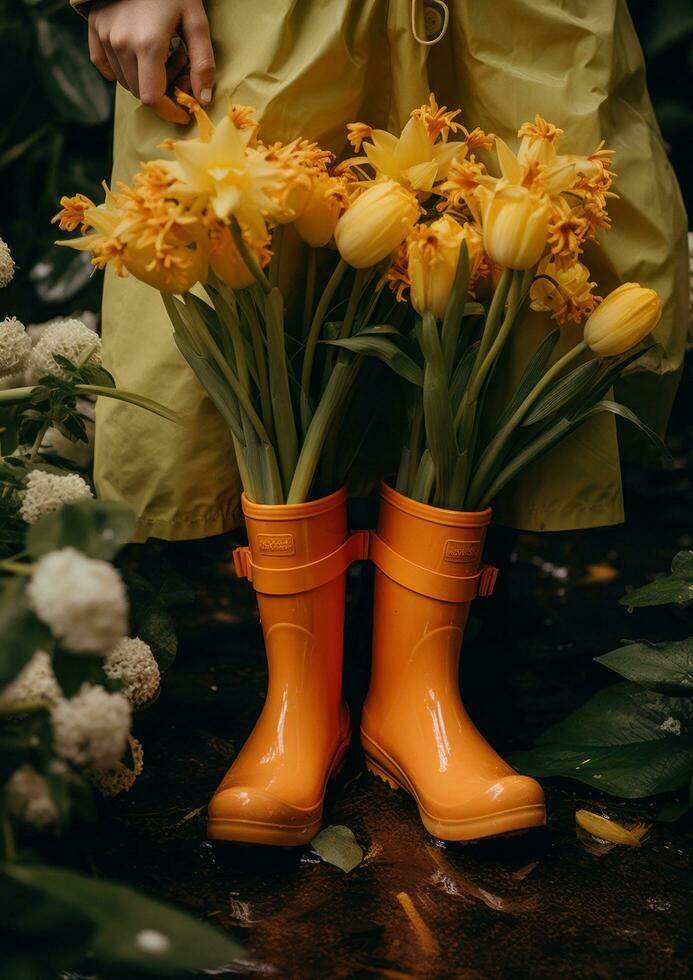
[
  {"x": 97, "y": 54},
  {"x": 195, "y": 30}
]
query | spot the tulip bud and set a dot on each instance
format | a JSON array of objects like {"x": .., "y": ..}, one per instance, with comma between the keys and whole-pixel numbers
[
  {"x": 515, "y": 223},
  {"x": 375, "y": 224},
  {"x": 319, "y": 217},
  {"x": 624, "y": 318},
  {"x": 432, "y": 260}
]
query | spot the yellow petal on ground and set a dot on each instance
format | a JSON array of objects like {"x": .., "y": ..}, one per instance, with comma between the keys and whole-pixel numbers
[
  {"x": 609, "y": 830},
  {"x": 601, "y": 572}
]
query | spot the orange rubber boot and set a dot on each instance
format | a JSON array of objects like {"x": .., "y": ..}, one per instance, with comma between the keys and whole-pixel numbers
[
  {"x": 297, "y": 559},
  {"x": 415, "y": 731}
]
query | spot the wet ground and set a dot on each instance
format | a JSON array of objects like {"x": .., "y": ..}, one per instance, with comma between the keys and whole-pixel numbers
[{"x": 543, "y": 905}]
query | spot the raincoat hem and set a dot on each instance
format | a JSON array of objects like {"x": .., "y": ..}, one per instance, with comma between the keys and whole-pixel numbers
[{"x": 190, "y": 527}]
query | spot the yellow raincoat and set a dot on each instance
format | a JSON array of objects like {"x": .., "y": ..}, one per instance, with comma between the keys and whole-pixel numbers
[{"x": 311, "y": 66}]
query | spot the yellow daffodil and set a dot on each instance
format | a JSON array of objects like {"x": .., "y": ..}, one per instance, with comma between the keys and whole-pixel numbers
[
  {"x": 301, "y": 162},
  {"x": 624, "y": 318},
  {"x": 223, "y": 169},
  {"x": 515, "y": 224},
  {"x": 564, "y": 292},
  {"x": 375, "y": 223},
  {"x": 227, "y": 263},
  {"x": 421, "y": 156},
  {"x": 326, "y": 202}
]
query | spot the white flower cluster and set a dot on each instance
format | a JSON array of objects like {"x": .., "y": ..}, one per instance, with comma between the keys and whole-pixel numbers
[
  {"x": 15, "y": 347},
  {"x": 70, "y": 338},
  {"x": 119, "y": 778},
  {"x": 47, "y": 492},
  {"x": 6, "y": 265},
  {"x": 82, "y": 600},
  {"x": 35, "y": 682},
  {"x": 131, "y": 661},
  {"x": 28, "y": 798},
  {"x": 92, "y": 728}
]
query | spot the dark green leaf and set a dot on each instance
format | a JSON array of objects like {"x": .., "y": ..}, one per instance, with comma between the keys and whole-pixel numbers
[
  {"x": 60, "y": 274},
  {"x": 532, "y": 373},
  {"x": 615, "y": 408},
  {"x": 621, "y": 714},
  {"x": 133, "y": 932},
  {"x": 665, "y": 667},
  {"x": 72, "y": 671},
  {"x": 149, "y": 616},
  {"x": 633, "y": 770},
  {"x": 562, "y": 392},
  {"x": 99, "y": 528},
  {"x": 386, "y": 350},
  {"x": 438, "y": 418}
]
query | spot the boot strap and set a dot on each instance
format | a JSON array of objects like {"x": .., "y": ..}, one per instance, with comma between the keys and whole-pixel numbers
[
  {"x": 425, "y": 581},
  {"x": 302, "y": 578}
]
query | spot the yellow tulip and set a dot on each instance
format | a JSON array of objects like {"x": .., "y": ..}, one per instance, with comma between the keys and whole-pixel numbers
[
  {"x": 375, "y": 224},
  {"x": 622, "y": 320},
  {"x": 326, "y": 202},
  {"x": 432, "y": 260},
  {"x": 515, "y": 225}
]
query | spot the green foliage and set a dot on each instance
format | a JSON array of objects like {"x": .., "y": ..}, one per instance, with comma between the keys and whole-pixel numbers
[
  {"x": 55, "y": 139},
  {"x": 635, "y": 738},
  {"x": 103, "y": 923}
]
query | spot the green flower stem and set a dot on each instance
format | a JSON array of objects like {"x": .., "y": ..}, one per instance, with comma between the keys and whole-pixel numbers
[
  {"x": 275, "y": 264},
  {"x": 43, "y": 429},
  {"x": 22, "y": 394},
  {"x": 128, "y": 396},
  {"x": 16, "y": 568},
  {"x": 415, "y": 443},
  {"x": 248, "y": 256},
  {"x": 311, "y": 272},
  {"x": 23, "y": 707},
  {"x": 312, "y": 340},
  {"x": 553, "y": 434},
  {"x": 500, "y": 440},
  {"x": 342, "y": 378}
]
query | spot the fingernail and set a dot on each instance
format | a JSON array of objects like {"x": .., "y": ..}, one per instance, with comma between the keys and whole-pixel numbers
[{"x": 206, "y": 96}]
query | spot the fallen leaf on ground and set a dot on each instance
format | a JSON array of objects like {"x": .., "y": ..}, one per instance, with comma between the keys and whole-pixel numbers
[
  {"x": 609, "y": 830},
  {"x": 337, "y": 845}
]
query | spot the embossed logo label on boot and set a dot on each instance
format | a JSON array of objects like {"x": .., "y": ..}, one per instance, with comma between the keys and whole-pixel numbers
[
  {"x": 461, "y": 551},
  {"x": 276, "y": 544}
]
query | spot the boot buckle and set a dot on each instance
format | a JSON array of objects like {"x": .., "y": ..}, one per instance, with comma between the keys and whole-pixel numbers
[
  {"x": 242, "y": 563},
  {"x": 487, "y": 579}
]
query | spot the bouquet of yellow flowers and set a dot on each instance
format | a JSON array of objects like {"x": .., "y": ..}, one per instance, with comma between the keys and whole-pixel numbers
[{"x": 419, "y": 212}]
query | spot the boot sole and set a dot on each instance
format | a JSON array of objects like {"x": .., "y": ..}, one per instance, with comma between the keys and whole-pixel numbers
[
  {"x": 277, "y": 835},
  {"x": 506, "y": 823}
]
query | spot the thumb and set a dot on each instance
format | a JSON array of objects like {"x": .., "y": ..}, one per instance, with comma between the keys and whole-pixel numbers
[{"x": 195, "y": 29}]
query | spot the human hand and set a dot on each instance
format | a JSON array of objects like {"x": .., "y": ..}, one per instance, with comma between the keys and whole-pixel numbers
[{"x": 129, "y": 42}]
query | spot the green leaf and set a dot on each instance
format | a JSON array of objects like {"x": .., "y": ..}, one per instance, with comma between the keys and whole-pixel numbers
[
  {"x": 71, "y": 82},
  {"x": 615, "y": 408},
  {"x": 665, "y": 667},
  {"x": 634, "y": 770},
  {"x": 438, "y": 418},
  {"x": 375, "y": 345},
  {"x": 562, "y": 392},
  {"x": 337, "y": 845},
  {"x": 454, "y": 314},
  {"x": 532, "y": 373},
  {"x": 682, "y": 565},
  {"x": 99, "y": 528},
  {"x": 21, "y": 632},
  {"x": 677, "y": 587},
  {"x": 133, "y": 932},
  {"x": 60, "y": 274},
  {"x": 619, "y": 715}
]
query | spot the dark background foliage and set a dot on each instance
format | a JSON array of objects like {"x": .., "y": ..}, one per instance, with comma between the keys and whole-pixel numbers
[{"x": 56, "y": 136}]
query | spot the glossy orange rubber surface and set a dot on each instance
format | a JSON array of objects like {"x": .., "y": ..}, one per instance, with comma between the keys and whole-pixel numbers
[
  {"x": 274, "y": 791},
  {"x": 415, "y": 730}
]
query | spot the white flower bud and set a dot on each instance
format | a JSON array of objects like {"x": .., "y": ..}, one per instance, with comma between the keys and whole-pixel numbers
[
  {"x": 15, "y": 347},
  {"x": 91, "y": 729},
  {"x": 47, "y": 492},
  {"x": 132, "y": 662},
  {"x": 69, "y": 338},
  {"x": 34, "y": 682},
  {"x": 28, "y": 798}
]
